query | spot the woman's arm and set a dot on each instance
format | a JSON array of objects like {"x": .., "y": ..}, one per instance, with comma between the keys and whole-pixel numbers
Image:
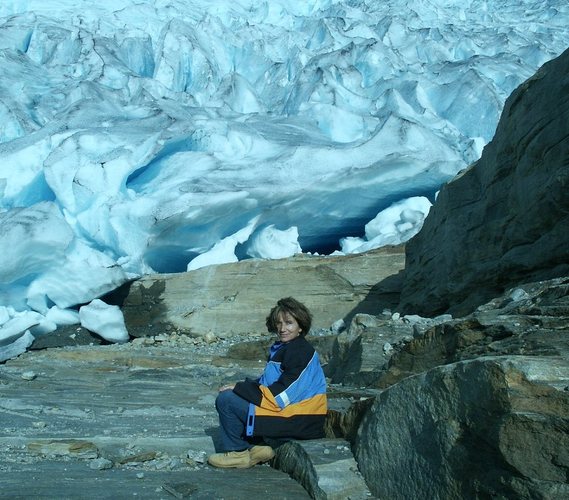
[{"x": 294, "y": 361}]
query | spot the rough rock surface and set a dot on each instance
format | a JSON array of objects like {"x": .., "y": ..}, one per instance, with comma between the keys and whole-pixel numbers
[
  {"x": 532, "y": 318},
  {"x": 363, "y": 351},
  {"x": 505, "y": 219},
  {"x": 494, "y": 427},
  {"x": 474, "y": 407},
  {"x": 234, "y": 299},
  {"x": 324, "y": 467}
]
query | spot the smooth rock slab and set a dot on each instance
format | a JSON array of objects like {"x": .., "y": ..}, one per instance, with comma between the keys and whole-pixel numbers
[
  {"x": 76, "y": 480},
  {"x": 234, "y": 299},
  {"x": 146, "y": 411}
]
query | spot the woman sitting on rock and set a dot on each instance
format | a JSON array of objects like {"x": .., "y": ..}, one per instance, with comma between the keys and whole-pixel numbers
[{"x": 287, "y": 401}]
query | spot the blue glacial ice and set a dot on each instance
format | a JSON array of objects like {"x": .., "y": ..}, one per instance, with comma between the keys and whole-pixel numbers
[{"x": 167, "y": 135}]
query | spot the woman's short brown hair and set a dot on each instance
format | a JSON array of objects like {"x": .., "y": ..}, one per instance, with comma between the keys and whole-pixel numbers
[{"x": 293, "y": 307}]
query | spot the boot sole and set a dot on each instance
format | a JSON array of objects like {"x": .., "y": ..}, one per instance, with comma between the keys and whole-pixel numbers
[{"x": 261, "y": 460}]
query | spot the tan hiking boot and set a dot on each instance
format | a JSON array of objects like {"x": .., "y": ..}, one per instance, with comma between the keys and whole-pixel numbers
[
  {"x": 261, "y": 454},
  {"x": 234, "y": 459}
]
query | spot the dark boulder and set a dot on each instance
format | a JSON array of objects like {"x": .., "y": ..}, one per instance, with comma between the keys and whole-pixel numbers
[{"x": 505, "y": 220}]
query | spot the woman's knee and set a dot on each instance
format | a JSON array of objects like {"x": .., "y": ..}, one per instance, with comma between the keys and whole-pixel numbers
[
  {"x": 228, "y": 401},
  {"x": 223, "y": 399}
]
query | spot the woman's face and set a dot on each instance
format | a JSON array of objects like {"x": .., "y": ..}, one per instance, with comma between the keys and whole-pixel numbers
[{"x": 287, "y": 327}]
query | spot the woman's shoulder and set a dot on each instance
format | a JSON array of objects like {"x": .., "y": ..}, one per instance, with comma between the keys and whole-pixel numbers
[{"x": 300, "y": 346}]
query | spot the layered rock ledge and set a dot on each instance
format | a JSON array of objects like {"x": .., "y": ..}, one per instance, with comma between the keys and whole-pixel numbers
[{"x": 234, "y": 299}]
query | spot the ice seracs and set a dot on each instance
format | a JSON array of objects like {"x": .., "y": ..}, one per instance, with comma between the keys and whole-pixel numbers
[{"x": 165, "y": 136}]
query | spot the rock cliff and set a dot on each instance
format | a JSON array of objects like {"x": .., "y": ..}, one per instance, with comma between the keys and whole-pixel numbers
[{"x": 505, "y": 220}]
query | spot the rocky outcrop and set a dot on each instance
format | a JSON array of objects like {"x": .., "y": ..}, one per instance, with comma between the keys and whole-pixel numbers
[
  {"x": 233, "y": 299},
  {"x": 361, "y": 354},
  {"x": 474, "y": 407},
  {"x": 531, "y": 319},
  {"x": 505, "y": 219}
]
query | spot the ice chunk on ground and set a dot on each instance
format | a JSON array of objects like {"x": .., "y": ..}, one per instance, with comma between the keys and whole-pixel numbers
[
  {"x": 63, "y": 316},
  {"x": 85, "y": 274},
  {"x": 392, "y": 226},
  {"x": 17, "y": 325},
  {"x": 104, "y": 320},
  {"x": 17, "y": 347},
  {"x": 223, "y": 252},
  {"x": 273, "y": 243}
]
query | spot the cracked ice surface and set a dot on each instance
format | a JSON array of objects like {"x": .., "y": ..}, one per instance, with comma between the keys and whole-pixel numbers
[{"x": 167, "y": 135}]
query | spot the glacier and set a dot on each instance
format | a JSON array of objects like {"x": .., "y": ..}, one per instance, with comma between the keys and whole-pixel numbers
[{"x": 167, "y": 135}]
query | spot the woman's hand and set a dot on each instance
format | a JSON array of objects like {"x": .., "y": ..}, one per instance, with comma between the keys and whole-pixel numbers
[{"x": 227, "y": 387}]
